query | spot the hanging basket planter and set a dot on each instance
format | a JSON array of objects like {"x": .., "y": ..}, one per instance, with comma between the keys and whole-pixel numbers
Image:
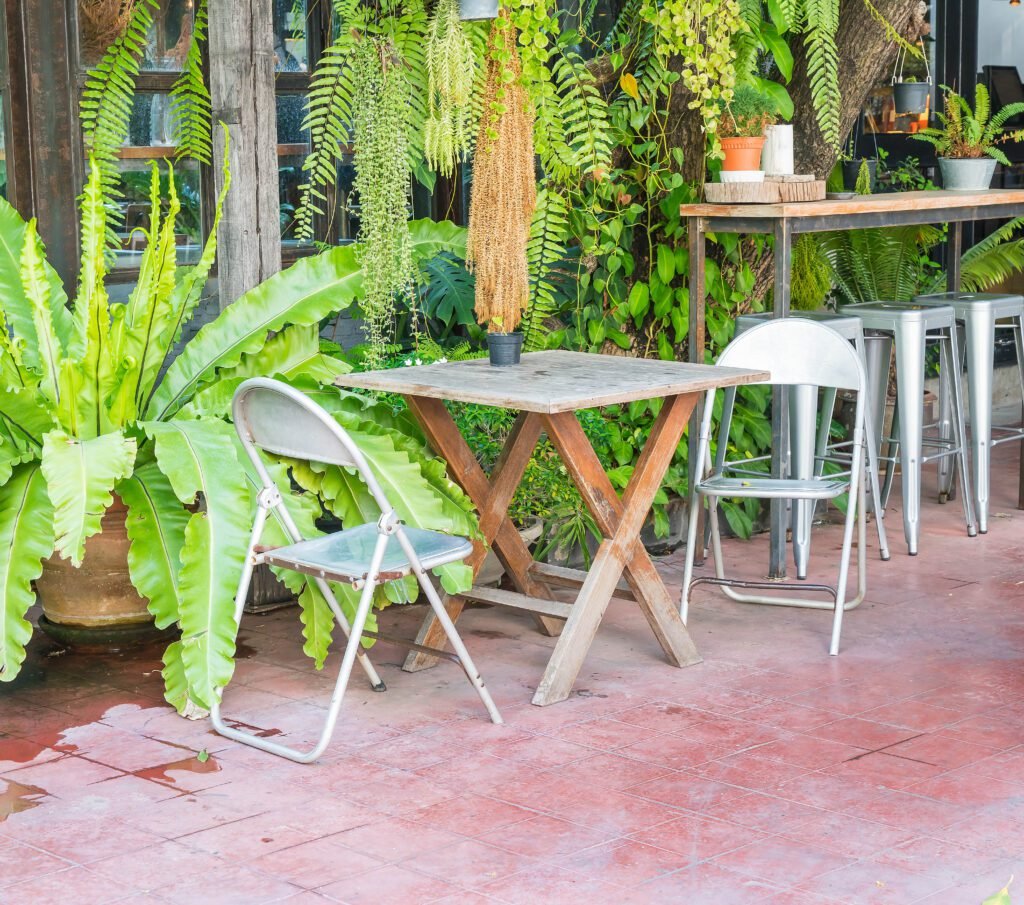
[
  {"x": 911, "y": 97},
  {"x": 470, "y": 10}
]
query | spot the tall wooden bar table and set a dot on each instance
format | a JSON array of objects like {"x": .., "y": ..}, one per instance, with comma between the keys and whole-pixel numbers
[
  {"x": 547, "y": 389},
  {"x": 784, "y": 221}
]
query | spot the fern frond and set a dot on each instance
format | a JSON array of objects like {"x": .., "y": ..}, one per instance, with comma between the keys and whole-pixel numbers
[
  {"x": 584, "y": 115},
  {"x": 891, "y": 32},
  {"x": 190, "y": 99},
  {"x": 107, "y": 102},
  {"x": 822, "y": 23},
  {"x": 549, "y": 229}
]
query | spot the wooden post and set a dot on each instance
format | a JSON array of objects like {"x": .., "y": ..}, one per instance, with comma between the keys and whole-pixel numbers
[{"x": 242, "y": 91}]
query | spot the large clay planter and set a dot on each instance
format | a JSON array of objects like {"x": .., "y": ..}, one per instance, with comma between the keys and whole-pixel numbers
[
  {"x": 96, "y": 604},
  {"x": 742, "y": 153}
]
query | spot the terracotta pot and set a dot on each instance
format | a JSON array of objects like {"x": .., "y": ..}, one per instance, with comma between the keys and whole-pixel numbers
[
  {"x": 742, "y": 153},
  {"x": 96, "y": 603}
]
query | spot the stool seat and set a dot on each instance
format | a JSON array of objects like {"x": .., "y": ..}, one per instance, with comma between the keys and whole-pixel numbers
[
  {"x": 847, "y": 326},
  {"x": 998, "y": 303},
  {"x": 886, "y": 315}
]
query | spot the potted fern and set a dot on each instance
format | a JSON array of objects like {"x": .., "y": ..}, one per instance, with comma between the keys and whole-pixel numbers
[
  {"x": 741, "y": 130},
  {"x": 97, "y": 436},
  {"x": 968, "y": 141}
]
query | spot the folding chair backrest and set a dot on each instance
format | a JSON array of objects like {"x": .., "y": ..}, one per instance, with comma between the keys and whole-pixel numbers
[
  {"x": 797, "y": 351},
  {"x": 270, "y": 415}
]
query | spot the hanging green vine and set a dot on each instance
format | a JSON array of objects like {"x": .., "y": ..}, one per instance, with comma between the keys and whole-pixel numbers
[
  {"x": 451, "y": 74},
  {"x": 382, "y": 183}
]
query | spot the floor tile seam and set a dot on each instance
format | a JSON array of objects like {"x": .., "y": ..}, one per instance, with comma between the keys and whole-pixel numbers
[
  {"x": 132, "y": 891},
  {"x": 533, "y": 814}
]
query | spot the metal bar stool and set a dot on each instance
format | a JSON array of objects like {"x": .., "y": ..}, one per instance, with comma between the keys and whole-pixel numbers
[
  {"x": 808, "y": 456},
  {"x": 911, "y": 327},
  {"x": 980, "y": 314}
]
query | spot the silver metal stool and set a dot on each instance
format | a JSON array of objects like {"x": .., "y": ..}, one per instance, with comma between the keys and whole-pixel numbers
[
  {"x": 807, "y": 456},
  {"x": 980, "y": 313},
  {"x": 911, "y": 327}
]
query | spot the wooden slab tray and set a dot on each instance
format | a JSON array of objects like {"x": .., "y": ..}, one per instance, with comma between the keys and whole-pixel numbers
[{"x": 772, "y": 191}]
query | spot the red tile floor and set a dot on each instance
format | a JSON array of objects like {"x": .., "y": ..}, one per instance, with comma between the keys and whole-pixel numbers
[{"x": 770, "y": 773}]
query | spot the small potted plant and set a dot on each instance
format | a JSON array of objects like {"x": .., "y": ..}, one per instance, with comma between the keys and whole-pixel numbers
[
  {"x": 854, "y": 166},
  {"x": 504, "y": 346},
  {"x": 741, "y": 130},
  {"x": 967, "y": 142}
]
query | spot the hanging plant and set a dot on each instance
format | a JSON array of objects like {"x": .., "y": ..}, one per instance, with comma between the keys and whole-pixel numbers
[
  {"x": 451, "y": 74},
  {"x": 382, "y": 182},
  {"x": 702, "y": 35},
  {"x": 504, "y": 187}
]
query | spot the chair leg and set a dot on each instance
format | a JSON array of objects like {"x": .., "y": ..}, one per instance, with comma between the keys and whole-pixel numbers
[
  {"x": 856, "y": 503},
  {"x": 877, "y": 504},
  {"x": 961, "y": 439},
  {"x": 340, "y": 685},
  {"x": 696, "y": 502},
  {"x": 376, "y": 682}
]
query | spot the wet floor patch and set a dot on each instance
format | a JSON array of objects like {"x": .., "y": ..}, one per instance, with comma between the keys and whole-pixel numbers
[{"x": 16, "y": 797}]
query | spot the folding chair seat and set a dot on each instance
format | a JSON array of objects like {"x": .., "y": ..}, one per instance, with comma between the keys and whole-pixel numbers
[
  {"x": 273, "y": 417},
  {"x": 798, "y": 353},
  {"x": 345, "y": 555}
]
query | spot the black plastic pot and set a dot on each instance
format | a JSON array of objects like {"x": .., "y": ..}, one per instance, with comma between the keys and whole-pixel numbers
[
  {"x": 910, "y": 97},
  {"x": 504, "y": 349},
  {"x": 851, "y": 169}
]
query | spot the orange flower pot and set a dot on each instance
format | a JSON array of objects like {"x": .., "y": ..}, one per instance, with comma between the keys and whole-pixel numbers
[{"x": 742, "y": 153}]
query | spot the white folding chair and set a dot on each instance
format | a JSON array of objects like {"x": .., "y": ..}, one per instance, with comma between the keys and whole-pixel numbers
[
  {"x": 796, "y": 352},
  {"x": 272, "y": 416}
]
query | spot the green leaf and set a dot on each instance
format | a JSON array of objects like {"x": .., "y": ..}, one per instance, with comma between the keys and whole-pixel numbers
[
  {"x": 198, "y": 457},
  {"x": 16, "y": 306},
  {"x": 26, "y": 539},
  {"x": 176, "y": 686},
  {"x": 156, "y": 528},
  {"x": 305, "y": 293},
  {"x": 26, "y": 415},
  {"x": 80, "y": 477},
  {"x": 317, "y": 623},
  {"x": 44, "y": 356},
  {"x": 779, "y": 50},
  {"x": 666, "y": 264}
]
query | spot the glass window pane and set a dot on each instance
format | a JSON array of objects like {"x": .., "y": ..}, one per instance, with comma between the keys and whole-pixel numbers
[
  {"x": 291, "y": 24},
  {"x": 101, "y": 22},
  {"x": 292, "y": 148}
]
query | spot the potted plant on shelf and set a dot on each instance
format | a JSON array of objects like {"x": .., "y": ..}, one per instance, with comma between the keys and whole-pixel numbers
[
  {"x": 967, "y": 142},
  {"x": 741, "y": 131},
  {"x": 504, "y": 198}
]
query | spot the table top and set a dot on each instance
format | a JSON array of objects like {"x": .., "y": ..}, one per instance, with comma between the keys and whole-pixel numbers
[
  {"x": 863, "y": 204},
  {"x": 553, "y": 381}
]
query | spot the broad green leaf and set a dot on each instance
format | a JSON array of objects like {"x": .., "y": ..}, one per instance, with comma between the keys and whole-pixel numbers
[
  {"x": 156, "y": 528},
  {"x": 80, "y": 478},
  {"x": 431, "y": 237},
  {"x": 26, "y": 539},
  {"x": 305, "y": 293},
  {"x": 198, "y": 457},
  {"x": 44, "y": 355},
  {"x": 90, "y": 307},
  {"x": 26, "y": 416},
  {"x": 15, "y": 306},
  {"x": 176, "y": 687},
  {"x": 185, "y": 297},
  {"x": 317, "y": 623}
]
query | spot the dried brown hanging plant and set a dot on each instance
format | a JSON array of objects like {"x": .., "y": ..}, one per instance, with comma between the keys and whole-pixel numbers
[
  {"x": 102, "y": 22},
  {"x": 504, "y": 187}
]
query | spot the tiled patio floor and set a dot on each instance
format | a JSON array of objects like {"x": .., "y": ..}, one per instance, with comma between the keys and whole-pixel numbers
[{"x": 771, "y": 773}]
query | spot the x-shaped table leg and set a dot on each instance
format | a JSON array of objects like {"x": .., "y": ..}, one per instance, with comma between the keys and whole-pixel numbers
[
  {"x": 620, "y": 521},
  {"x": 492, "y": 497}
]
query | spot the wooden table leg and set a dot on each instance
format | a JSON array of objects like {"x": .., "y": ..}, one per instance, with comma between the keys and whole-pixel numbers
[
  {"x": 620, "y": 521},
  {"x": 492, "y": 497}
]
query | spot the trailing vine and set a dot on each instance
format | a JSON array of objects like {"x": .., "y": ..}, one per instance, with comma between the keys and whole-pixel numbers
[
  {"x": 451, "y": 74},
  {"x": 382, "y": 182}
]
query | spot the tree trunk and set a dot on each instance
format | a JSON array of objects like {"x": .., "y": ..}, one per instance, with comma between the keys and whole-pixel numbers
[
  {"x": 866, "y": 55},
  {"x": 242, "y": 92}
]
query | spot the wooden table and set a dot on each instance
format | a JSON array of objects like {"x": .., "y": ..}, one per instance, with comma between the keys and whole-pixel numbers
[
  {"x": 547, "y": 389},
  {"x": 783, "y": 221}
]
